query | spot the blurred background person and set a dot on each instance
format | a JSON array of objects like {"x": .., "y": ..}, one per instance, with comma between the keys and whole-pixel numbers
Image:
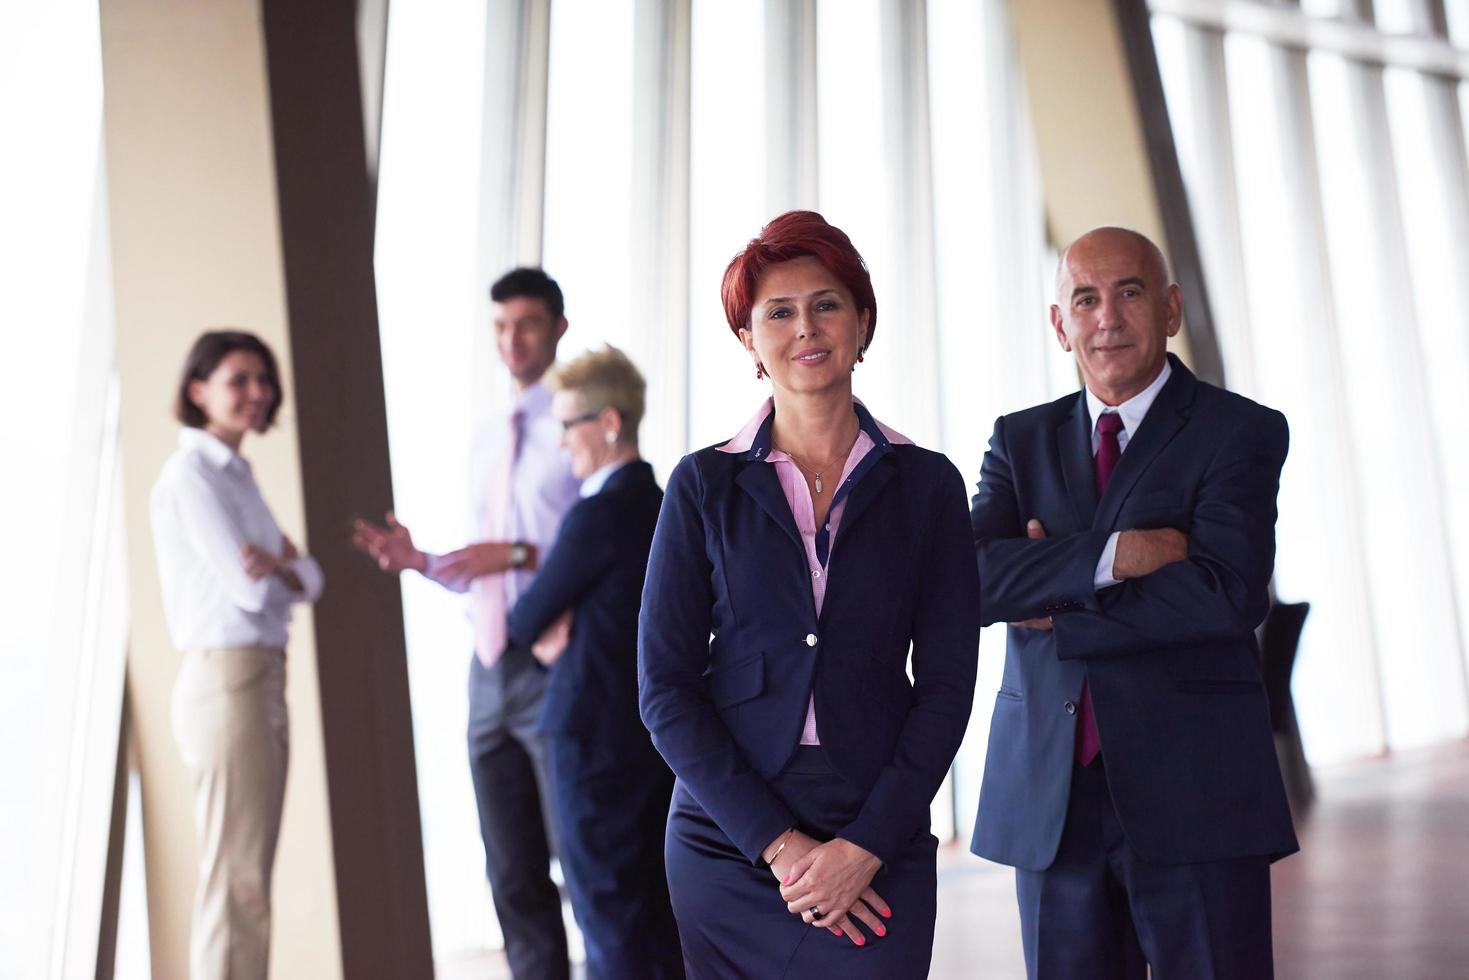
[
  {"x": 609, "y": 785},
  {"x": 791, "y": 570},
  {"x": 522, "y": 488},
  {"x": 229, "y": 578}
]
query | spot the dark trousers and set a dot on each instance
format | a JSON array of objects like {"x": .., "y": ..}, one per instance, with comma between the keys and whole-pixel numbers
[
  {"x": 508, "y": 766},
  {"x": 1100, "y": 912},
  {"x": 735, "y": 926},
  {"x": 611, "y": 801}
]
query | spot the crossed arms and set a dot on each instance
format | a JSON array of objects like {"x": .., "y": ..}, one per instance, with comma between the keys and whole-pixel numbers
[{"x": 1213, "y": 584}]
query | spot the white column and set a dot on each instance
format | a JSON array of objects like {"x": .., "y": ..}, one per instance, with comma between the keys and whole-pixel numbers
[
  {"x": 790, "y": 105},
  {"x": 660, "y": 229},
  {"x": 512, "y": 163}
]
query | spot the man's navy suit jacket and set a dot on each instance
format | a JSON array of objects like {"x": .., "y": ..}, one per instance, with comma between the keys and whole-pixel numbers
[
  {"x": 595, "y": 569},
  {"x": 1171, "y": 657},
  {"x": 726, "y": 712}
]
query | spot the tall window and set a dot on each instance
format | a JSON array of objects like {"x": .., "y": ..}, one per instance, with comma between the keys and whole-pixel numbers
[
  {"x": 62, "y": 638},
  {"x": 1340, "y": 214}
]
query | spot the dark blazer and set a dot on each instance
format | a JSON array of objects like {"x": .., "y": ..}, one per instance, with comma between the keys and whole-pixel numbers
[
  {"x": 731, "y": 647},
  {"x": 1170, "y": 657},
  {"x": 595, "y": 568}
]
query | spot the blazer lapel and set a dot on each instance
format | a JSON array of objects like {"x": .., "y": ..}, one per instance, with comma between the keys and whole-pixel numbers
[
  {"x": 758, "y": 479},
  {"x": 1168, "y": 414},
  {"x": 865, "y": 492},
  {"x": 1074, "y": 443}
]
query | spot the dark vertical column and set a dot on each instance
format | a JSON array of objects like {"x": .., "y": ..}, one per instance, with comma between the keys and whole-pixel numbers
[
  {"x": 1134, "y": 23},
  {"x": 326, "y": 222}
]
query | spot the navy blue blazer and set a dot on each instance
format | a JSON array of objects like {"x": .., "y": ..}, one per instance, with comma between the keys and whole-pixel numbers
[
  {"x": 731, "y": 648},
  {"x": 596, "y": 569},
  {"x": 1170, "y": 657}
]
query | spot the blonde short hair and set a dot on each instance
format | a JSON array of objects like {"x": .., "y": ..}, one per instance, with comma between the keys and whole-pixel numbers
[{"x": 603, "y": 379}]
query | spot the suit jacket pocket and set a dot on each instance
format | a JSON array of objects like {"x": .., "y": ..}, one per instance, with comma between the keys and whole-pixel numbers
[
  {"x": 728, "y": 686},
  {"x": 1009, "y": 694}
]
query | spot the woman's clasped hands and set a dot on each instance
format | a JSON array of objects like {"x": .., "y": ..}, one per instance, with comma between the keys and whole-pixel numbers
[{"x": 829, "y": 886}]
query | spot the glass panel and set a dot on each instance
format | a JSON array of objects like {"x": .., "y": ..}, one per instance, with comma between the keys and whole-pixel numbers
[
  {"x": 727, "y": 204},
  {"x": 852, "y": 172},
  {"x": 1440, "y": 295},
  {"x": 1458, "y": 17},
  {"x": 1394, "y": 468},
  {"x": 429, "y": 296},
  {"x": 1291, "y": 313},
  {"x": 1394, "y": 16},
  {"x": 588, "y": 225},
  {"x": 62, "y": 638},
  {"x": 992, "y": 294}
]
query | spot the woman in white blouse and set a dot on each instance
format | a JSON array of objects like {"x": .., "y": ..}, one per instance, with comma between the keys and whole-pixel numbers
[{"x": 229, "y": 579}]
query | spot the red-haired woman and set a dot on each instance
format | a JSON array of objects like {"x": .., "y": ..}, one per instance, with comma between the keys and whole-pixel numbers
[{"x": 792, "y": 569}]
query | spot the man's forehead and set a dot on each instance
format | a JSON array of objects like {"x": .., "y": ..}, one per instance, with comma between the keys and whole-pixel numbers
[{"x": 1095, "y": 262}]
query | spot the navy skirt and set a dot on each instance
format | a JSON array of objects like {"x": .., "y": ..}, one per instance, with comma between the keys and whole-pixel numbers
[{"x": 734, "y": 924}]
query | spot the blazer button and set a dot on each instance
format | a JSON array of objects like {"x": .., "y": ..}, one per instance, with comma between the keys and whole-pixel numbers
[
  {"x": 810, "y": 639},
  {"x": 1070, "y": 707},
  {"x": 816, "y": 573}
]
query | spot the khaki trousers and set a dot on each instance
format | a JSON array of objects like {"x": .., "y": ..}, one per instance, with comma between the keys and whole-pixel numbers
[{"x": 229, "y": 717}]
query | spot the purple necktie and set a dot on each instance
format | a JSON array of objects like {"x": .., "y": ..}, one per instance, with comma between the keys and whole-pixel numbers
[{"x": 1109, "y": 451}]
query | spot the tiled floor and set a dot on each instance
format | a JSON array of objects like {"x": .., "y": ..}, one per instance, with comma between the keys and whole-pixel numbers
[{"x": 1380, "y": 890}]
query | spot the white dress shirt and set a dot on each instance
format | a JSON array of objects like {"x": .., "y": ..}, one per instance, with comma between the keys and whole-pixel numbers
[
  {"x": 205, "y": 507},
  {"x": 1132, "y": 412},
  {"x": 543, "y": 488}
]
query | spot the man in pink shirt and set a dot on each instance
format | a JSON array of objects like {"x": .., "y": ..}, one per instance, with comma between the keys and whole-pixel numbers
[{"x": 523, "y": 487}]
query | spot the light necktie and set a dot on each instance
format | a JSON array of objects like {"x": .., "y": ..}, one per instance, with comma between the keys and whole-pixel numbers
[
  {"x": 1109, "y": 451},
  {"x": 490, "y": 605}
]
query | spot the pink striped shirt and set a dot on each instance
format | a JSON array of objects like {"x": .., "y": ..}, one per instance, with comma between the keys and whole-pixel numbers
[{"x": 803, "y": 509}]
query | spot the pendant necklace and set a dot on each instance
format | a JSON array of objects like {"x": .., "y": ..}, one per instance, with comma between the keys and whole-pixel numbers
[{"x": 816, "y": 474}]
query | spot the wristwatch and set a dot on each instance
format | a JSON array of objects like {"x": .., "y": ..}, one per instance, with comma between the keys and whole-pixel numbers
[{"x": 519, "y": 554}]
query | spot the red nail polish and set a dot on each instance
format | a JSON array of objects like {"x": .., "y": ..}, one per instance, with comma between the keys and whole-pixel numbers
[
  {"x": 838, "y": 932},
  {"x": 859, "y": 940},
  {"x": 881, "y": 931},
  {"x": 887, "y": 913}
]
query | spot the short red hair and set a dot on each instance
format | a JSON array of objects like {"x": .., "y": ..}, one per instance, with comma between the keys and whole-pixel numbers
[{"x": 794, "y": 235}]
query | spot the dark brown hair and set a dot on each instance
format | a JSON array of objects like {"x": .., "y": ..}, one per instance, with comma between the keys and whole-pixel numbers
[{"x": 212, "y": 347}]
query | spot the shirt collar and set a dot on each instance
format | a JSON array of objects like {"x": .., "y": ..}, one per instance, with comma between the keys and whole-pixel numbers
[
  {"x": 1132, "y": 410},
  {"x": 214, "y": 451},
  {"x": 593, "y": 484},
  {"x": 535, "y": 400},
  {"x": 753, "y": 440}
]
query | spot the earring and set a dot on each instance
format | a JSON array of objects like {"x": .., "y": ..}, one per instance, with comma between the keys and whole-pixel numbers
[
  {"x": 759, "y": 372},
  {"x": 859, "y": 357},
  {"x": 611, "y": 437}
]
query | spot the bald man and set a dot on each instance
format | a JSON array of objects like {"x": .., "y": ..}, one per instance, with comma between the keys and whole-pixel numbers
[{"x": 1127, "y": 535}]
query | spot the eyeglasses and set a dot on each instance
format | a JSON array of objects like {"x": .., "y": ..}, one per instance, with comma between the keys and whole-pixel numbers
[{"x": 568, "y": 424}]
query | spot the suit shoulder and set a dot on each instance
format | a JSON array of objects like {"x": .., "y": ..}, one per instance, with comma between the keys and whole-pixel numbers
[
  {"x": 1046, "y": 414},
  {"x": 1233, "y": 404}
]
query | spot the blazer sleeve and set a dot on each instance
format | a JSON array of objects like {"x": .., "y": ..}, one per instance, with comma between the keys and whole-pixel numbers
[
  {"x": 1221, "y": 591},
  {"x": 580, "y": 556},
  {"x": 945, "y": 655},
  {"x": 1021, "y": 578},
  {"x": 673, "y": 697}
]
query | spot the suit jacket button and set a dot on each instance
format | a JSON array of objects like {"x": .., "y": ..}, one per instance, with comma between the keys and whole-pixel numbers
[
  {"x": 810, "y": 639},
  {"x": 1071, "y": 707}
]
